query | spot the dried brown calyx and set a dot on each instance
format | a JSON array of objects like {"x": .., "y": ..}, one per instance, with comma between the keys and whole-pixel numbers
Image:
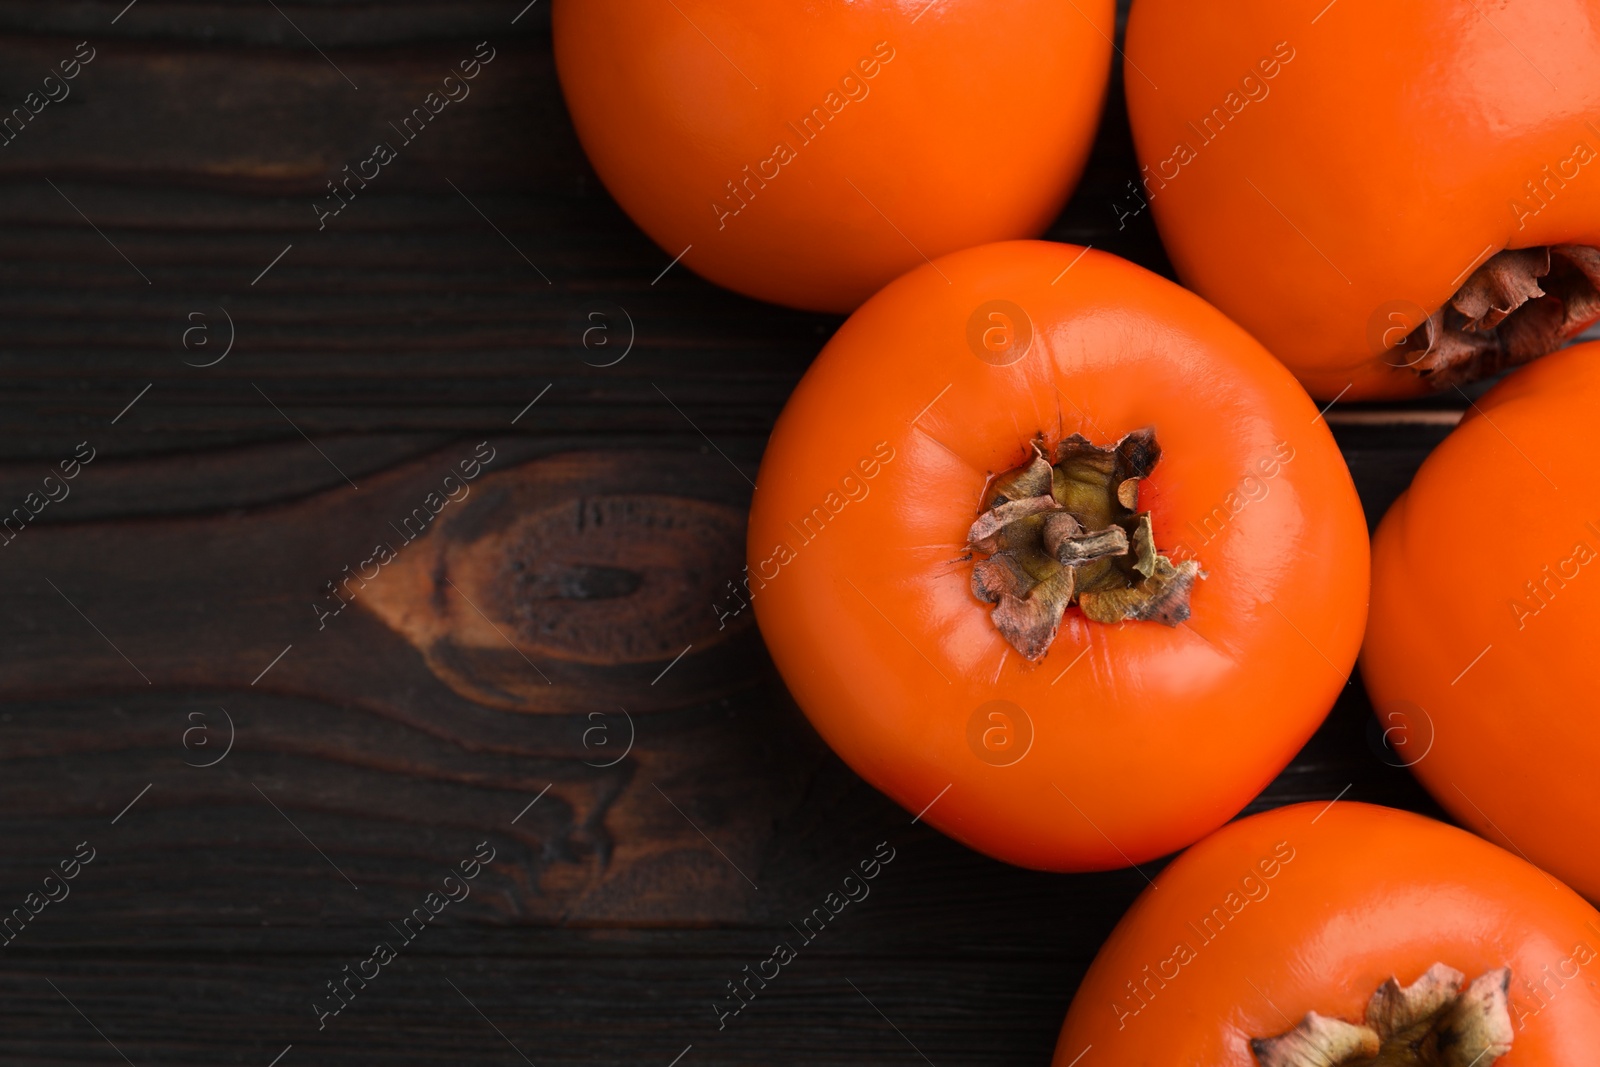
[
  {"x": 1067, "y": 531},
  {"x": 1521, "y": 304},
  {"x": 1432, "y": 1022}
]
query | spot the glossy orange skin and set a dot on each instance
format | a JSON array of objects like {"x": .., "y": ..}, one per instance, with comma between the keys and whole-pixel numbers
[
  {"x": 1376, "y": 169},
  {"x": 1509, "y": 742},
  {"x": 1367, "y": 893},
  {"x": 975, "y": 128},
  {"x": 1156, "y": 735}
]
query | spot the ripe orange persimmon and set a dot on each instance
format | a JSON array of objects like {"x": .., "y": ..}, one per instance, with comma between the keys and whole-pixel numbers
[
  {"x": 808, "y": 154},
  {"x": 1045, "y": 542},
  {"x": 1392, "y": 198},
  {"x": 1413, "y": 943},
  {"x": 1486, "y": 590}
]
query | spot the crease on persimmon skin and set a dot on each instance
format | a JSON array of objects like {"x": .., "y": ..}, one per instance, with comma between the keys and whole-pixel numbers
[
  {"x": 1502, "y": 316},
  {"x": 946, "y": 450},
  {"x": 1227, "y": 654},
  {"x": 1000, "y": 667}
]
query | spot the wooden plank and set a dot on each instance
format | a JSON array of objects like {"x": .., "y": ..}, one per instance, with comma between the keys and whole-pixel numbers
[
  {"x": 425, "y": 1009},
  {"x": 358, "y": 739},
  {"x": 332, "y": 26}
]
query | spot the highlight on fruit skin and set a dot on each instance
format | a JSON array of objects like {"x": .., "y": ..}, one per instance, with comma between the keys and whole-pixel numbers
[
  {"x": 1043, "y": 535},
  {"x": 1342, "y": 934},
  {"x": 1395, "y": 199},
  {"x": 1480, "y": 651}
]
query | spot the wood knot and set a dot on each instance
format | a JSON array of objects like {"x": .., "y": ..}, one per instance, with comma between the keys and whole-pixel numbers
[{"x": 575, "y": 582}]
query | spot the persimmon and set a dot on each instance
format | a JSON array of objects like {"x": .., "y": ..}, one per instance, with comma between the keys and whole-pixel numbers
[
  {"x": 1044, "y": 541},
  {"x": 808, "y": 154},
  {"x": 1343, "y": 935},
  {"x": 1393, "y": 198},
  {"x": 1481, "y": 655}
]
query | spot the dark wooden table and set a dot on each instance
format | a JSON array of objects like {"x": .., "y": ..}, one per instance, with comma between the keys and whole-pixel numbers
[{"x": 177, "y": 600}]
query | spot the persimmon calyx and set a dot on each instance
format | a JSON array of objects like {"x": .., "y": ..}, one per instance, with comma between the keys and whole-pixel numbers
[
  {"x": 1432, "y": 1022},
  {"x": 1521, "y": 304},
  {"x": 1064, "y": 531}
]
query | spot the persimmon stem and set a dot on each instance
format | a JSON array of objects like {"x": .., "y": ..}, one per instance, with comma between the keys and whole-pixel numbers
[
  {"x": 1519, "y": 305},
  {"x": 1066, "y": 531},
  {"x": 1432, "y": 1022}
]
